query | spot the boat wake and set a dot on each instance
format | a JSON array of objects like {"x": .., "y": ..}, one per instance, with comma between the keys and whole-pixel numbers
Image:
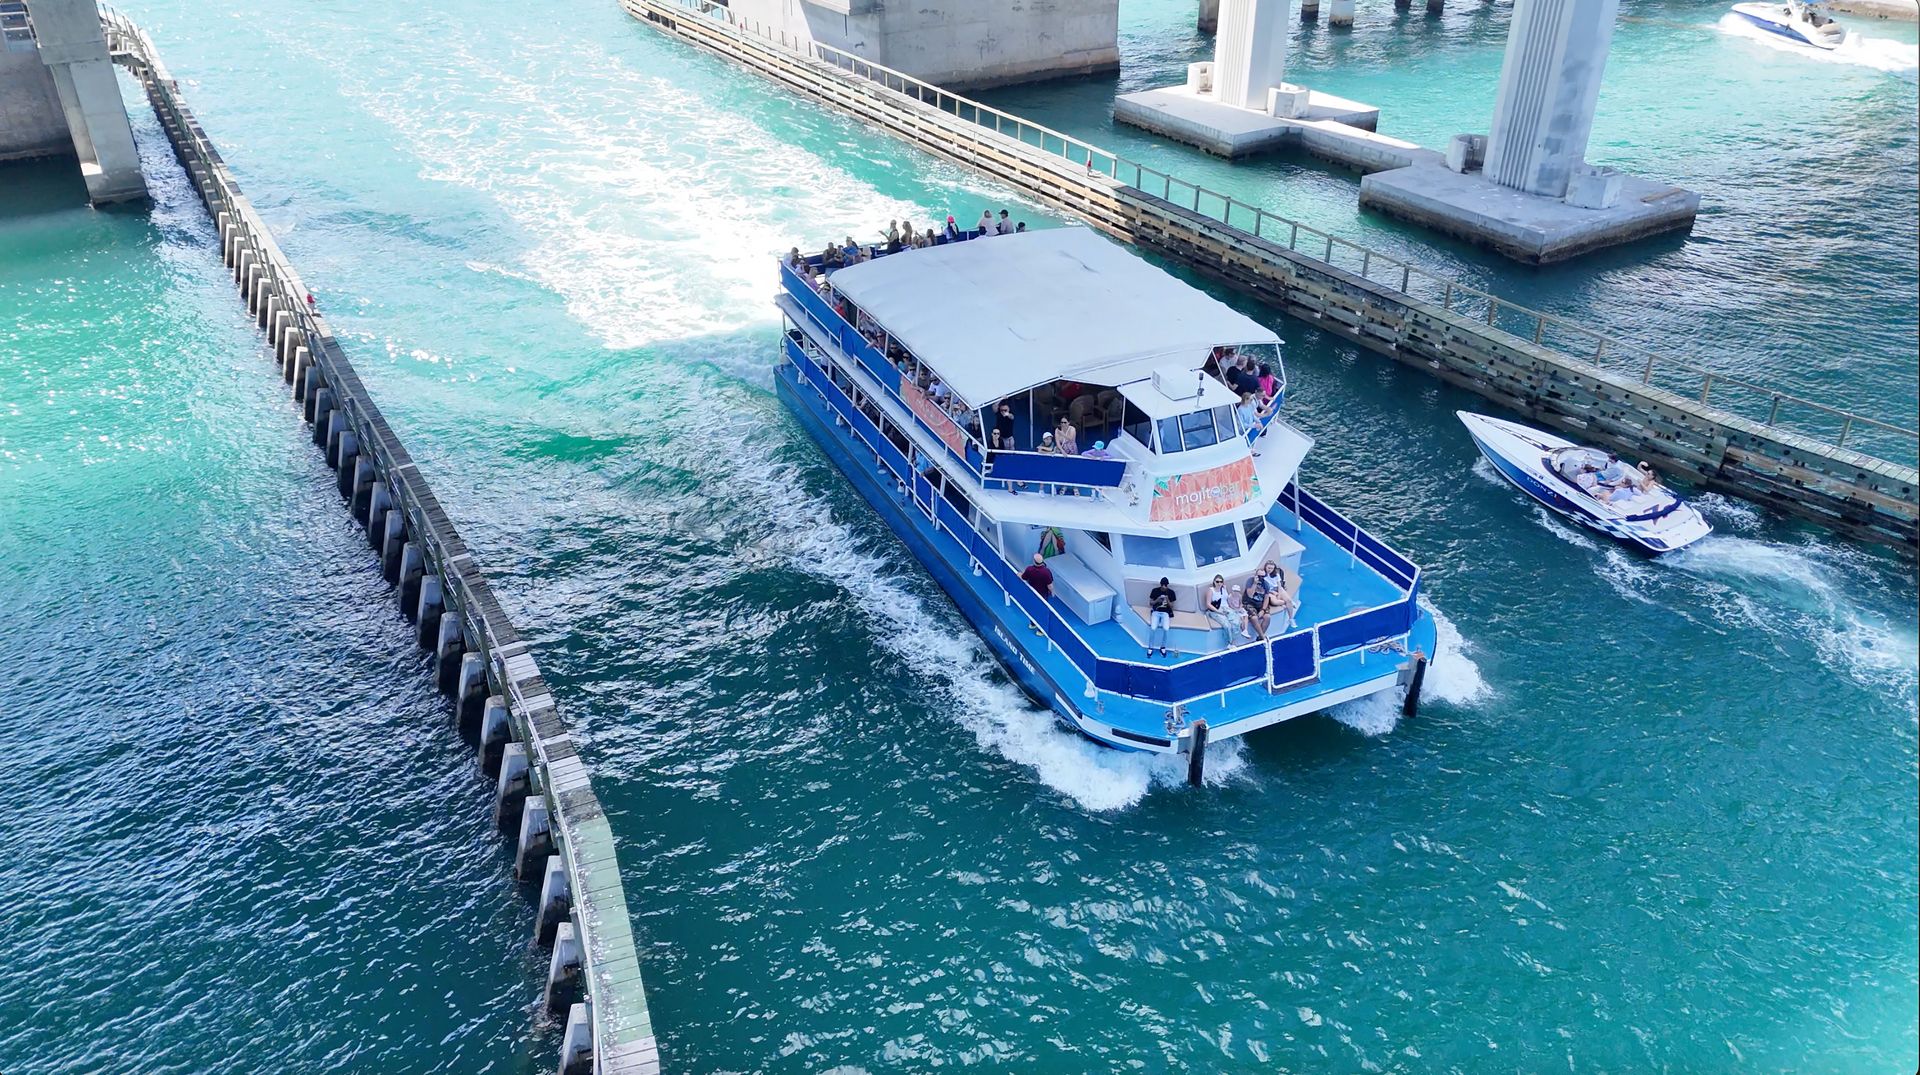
[
  {"x": 1452, "y": 677},
  {"x": 1880, "y": 54}
]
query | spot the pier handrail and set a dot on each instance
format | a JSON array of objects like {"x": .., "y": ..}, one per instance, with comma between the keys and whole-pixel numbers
[
  {"x": 621, "y": 1029},
  {"x": 1550, "y": 331}
]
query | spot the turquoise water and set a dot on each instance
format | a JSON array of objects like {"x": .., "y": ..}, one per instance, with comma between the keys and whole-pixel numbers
[{"x": 1654, "y": 814}]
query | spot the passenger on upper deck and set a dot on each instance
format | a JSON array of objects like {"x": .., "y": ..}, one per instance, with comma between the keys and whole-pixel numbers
[
  {"x": 893, "y": 237},
  {"x": 1003, "y": 426},
  {"x": 953, "y": 231},
  {"x": 985, "y": 227},
  {"x": 1005, "y": 226},
  {"x": 795, "y": 261},
  {"x": 1066, "y": 438},
  {"x": 833, "y": 258}
]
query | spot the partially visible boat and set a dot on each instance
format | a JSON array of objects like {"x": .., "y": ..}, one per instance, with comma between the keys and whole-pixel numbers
[
  {"x": 1573, "y": 480},
  {"x": 1794, "y": 21}
]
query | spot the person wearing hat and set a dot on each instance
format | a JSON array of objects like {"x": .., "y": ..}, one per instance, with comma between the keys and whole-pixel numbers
[
  {"x": 1005, "y": 226},
  {"x": 952, "y": 233}
]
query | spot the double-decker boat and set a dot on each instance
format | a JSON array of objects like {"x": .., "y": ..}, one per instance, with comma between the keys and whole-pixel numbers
[{"x": 933, "y": 378}]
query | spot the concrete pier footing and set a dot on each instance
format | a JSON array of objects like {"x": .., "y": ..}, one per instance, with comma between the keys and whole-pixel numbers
[
  {"x": 555, "y": 902},
  {"x": 427, "y": 613},
  {"x": 576, "y": 1043},
  {"x": 1309, "y": 10},
  {"x": 296, "y": 371},
  {"x": 510, "y": 787},
  {"x": 1340, "y": 14},
  {"x": 330, "y": 431},
  {"x": 411, "y": 579},
  {"x": 495, "y": 730},
  {"x": 535, "y": 842},
  {"x": 66, "y": 101},
  {"x": 360, "y": 490},
  {"x": 449, "y": 646},
  {"x": 1199, "y": 119},
  {"x": 349, "y": 463},
  {"x": 563, "y": 970},
  {"x": 318, "y": 412},
  {"x": 393, "y": 540},
  {"x": 471, "y": 694},
  {"x": 374, "y": 516}
]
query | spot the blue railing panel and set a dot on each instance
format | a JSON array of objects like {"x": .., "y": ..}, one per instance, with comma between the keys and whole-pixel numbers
[
  {"x": 1362, "y": 628},
  {"x": 1055, "y": 469},
  {"x": 1293, "y": 657}
]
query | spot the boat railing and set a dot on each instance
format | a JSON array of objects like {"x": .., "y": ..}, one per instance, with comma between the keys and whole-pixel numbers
[
  {"x": 1755, "y": 402},
  {"x": 996, "y": 468}
]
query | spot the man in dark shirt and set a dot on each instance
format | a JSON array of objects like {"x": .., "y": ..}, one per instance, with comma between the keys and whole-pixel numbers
[
  {"x": 1039, "y": 576},
  {"x": 1003, "y": 427},
  {"x": 1159, "y": 617},
  {"x": 1254, "y": 601}
]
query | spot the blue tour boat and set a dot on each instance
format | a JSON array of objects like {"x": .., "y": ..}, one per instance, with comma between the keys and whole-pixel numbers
[{"x": 932, "y": 377}]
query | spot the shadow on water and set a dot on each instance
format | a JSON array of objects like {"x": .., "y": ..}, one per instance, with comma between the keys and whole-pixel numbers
[{"x": 36, "y": 187}]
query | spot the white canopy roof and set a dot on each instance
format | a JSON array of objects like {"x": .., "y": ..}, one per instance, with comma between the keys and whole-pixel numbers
[{"x": 1000, "y": 315}]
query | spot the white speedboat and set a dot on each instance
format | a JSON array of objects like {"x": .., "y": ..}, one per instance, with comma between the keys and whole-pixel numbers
[
  {"x": 1588, "y": 485},
  {"x": 1794, "y": 21}
]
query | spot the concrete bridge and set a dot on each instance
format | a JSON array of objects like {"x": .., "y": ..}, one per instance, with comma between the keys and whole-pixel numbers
[{"x": 58, "y": 96}]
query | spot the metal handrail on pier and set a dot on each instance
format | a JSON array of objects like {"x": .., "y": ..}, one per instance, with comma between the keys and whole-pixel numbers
[
  {"x": 1548, "y": 330},
  {"x": 542, "y": 789}
]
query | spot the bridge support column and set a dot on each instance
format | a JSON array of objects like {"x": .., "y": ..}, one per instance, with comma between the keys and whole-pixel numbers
[
  {"x": 1252, "y": 54},
  {"x": 1340, "y": 14},
  {"x": 1309, "y": 11},
  {"x": 1549, "y": 87},
  {"x": 73, "y": 46},
  {"x": 1209, "y": 20}
]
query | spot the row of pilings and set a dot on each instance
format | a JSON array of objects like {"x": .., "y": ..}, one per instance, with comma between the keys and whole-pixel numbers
[{"x": 542, "y": 797}]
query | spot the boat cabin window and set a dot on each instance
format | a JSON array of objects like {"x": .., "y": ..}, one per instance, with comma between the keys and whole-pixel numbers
[
  {"x": 1253, "y": 528},
  {"x": 1105, "y": 539},
  {"x": 1198, "y": 429},
  {"x": 1139, "y": 426},
  {"x": 1214, "y": 544},
  {"x": 1152, "y": 551}
]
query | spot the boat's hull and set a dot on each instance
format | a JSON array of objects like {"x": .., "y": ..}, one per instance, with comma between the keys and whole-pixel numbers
[{"x": 1517, "y": 452}]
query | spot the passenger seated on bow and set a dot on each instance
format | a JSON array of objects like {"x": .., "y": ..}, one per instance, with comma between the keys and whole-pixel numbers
[
  {"x": 1253, "y": 601},
  {"x": 1223, "y": 609},
  {"x": 1644, "y": 478},
  {"x": 832, "y": 258}
]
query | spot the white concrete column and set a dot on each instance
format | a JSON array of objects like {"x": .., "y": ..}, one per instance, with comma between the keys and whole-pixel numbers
[
  {"x": 1340, "y": 13},
  {"x": 1209, "y": 21},
  {"x": 1549, "y": 85},
  {"x": 74, "y": 49},
  {"x": 1251, "y": 56}
]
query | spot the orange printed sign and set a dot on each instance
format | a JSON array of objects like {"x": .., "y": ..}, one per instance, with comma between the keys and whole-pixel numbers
[
  {"x": 936, "y": 419},
  {"x": 1190, "y": 496}
]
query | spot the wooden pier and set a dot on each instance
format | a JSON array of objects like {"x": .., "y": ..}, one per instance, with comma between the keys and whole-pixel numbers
[
  {"x": 543, "y": 795},
  {"x": 1599, "y": 389}
]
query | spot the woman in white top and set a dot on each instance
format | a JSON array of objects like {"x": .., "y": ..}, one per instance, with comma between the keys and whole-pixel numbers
[{"x": 1223, "y": 611}]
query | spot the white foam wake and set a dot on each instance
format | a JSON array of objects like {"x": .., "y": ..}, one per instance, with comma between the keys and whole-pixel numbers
[
  {"x": 1893, "y": 57},
  {"x": 1452, "y": 677}
]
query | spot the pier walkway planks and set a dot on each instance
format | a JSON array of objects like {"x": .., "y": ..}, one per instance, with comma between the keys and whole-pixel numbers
[
  {"x": 611, "y": 1031},
  {"x": 1463, "y": 338}
]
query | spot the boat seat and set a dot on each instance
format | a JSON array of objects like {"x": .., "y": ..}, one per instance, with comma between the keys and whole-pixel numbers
[{"x": 1187, "y": 601}]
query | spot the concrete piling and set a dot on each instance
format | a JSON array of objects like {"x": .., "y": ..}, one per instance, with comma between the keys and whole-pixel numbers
[
  {"x": 296, "y": 369},
  {"x": 536, "y": 838},
  {"x": 471, "y": 694},
  {"x": 1436, "y": 7},
  {"x": 1309, "y": 10},
  {"x": 281, "y": 333},
  {"x": 349, "y": 464},
  {"x": 449, "y": 646},
  {"x": 412, "y": 576},
  {"x": 576, "y": 1043},
  {"x": 305, "y": 389},
  {"x": 555, "y": 902},
  {"x": 510, "y": 787},
  {"x": 360, "y": 489},
  {"x": 373, "y": 512},
  {"x": 322, "y": 406},
  {"x": 495, "y": 729},
  {"x": 1340, "y": 14},
  {"x": 427, "y": 620},
  {"x": 242, "y": 261},
  {"x": 269, "y": 302},
  {"x": 563, "y": 970},
  {"x": 330, "y": 437},
  {"x": 392, "y": 541}
]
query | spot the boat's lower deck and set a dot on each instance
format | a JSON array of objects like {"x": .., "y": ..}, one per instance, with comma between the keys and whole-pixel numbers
[{"x": 1337, "y": 583}]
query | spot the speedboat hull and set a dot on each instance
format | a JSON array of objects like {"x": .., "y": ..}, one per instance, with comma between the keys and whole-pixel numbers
[
  {"x": 1654, "y": 522},
  {"x": 1782, "y": 20}
]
